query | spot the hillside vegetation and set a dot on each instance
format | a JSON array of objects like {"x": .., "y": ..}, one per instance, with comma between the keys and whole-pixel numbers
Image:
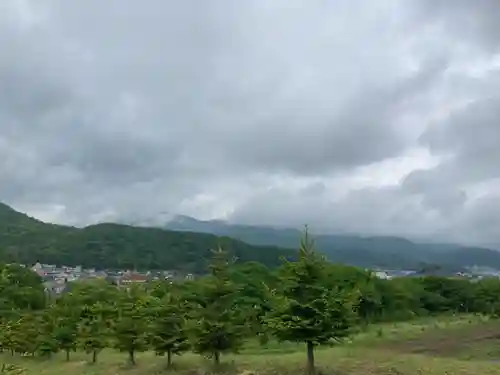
[
  {"x": 185, "y": 245},
  {"x": 27, "y": 240},
  {"x": 246, "y": 318},
  {"x": 363, "y": 251}
]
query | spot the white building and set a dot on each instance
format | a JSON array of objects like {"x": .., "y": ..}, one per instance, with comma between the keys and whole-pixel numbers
[{"x": 381, "y": 275}]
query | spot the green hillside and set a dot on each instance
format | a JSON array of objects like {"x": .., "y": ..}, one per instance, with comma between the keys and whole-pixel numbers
[
  {"x": 364, "y": 251},
  {"x": 27, "y": 240},
  {"x": 185, "y": 245}
]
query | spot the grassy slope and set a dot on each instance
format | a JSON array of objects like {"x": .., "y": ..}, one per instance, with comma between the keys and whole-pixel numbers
[{"x": 379, "y": 351}]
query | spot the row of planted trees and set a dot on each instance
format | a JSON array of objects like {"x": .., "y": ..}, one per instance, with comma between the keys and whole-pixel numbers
[{"x": 309, "y": 301}]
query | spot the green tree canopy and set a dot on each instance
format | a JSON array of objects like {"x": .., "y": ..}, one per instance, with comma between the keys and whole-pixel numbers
[{"x": 305, "y": 309}]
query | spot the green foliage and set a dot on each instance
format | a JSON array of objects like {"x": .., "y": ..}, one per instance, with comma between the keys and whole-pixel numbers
[
  {"x": 20, "y": 289},
  {"x": 95, "y": 327},
  {"x": 168, "y": 328},
  {"x": 90, "y": 292},
  {"x": 487, "y": 292},
  {"x": 27, "y": 333},
  {"x": 216, "y": 326},
  {"x": 66, "y": 314},
  {"x": 46, "y": 343},
  {"x": 308, "y": 300},
  {"x": 253, "y": 280},
  {"x": 87, "y": 314},
  {"x": 361, "y": 251},
  {"x": 305, "y": 309},
  {"x": 26, "y": 240},
  {"x": 131, "y": 326}
]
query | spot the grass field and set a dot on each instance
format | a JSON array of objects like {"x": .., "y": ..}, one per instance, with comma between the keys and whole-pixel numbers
[{"x": 463, "y": 345}]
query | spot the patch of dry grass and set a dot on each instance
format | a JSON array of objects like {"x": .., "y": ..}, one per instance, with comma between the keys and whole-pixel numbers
[{"x": 369, "y": 353}]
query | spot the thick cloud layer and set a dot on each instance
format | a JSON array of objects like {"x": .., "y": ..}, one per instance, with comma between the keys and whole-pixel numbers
[{"x": 353, "y": 116}]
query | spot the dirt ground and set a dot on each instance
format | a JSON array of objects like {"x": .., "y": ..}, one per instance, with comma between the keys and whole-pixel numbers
[{"x": 449, "y": 342}]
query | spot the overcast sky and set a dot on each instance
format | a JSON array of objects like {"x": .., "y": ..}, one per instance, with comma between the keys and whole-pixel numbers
[{"x": 374, "y": 117}]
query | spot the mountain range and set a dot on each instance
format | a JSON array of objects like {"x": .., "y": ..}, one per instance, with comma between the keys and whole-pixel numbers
[
  {"x": 26, "y": 240},
  {"x": 184, "y": 243},
  {"x": 366, "y": 251}
]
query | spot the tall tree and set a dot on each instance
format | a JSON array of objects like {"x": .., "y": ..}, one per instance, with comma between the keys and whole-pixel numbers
[
  {"x": 95, "y": 328},
  {"x": 46, "y": 343},
  {"x": 131, "y": 326},
  {"x": 66, "y": 314},
  {"x": 305, "y": 309},
  {"x": 20, "y": 288},
  {"x": 13, "y": 335},
  {"x": 215, "y": 325},
  {"x": 252, "y": 280},
  {"x": 168, "y": 328},
  {"x": 28, "y": 332}
]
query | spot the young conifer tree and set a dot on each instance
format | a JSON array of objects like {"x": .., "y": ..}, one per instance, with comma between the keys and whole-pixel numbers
[
  {"x": 95, "y": 328},
  {"x": 168, "y": 327},
  {"x": 305, "y": 309},
  {"x": 215, "y": 322},
  {"x": 131, "y": 327}
]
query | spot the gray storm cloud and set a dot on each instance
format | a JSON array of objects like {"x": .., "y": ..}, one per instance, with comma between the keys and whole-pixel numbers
[{"x": 261, "y": 112}]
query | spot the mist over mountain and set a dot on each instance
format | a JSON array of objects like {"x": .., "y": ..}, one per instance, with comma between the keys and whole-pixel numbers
[
  {"x": 26, "y": 240},
  {"x": 369, "y": 251},
  {"x": 184, "y": 242}
]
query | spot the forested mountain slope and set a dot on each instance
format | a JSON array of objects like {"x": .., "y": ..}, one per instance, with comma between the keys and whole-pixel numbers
[
  {"x": 366, "y": 251},
  {"x": 186, "y": 243},
  {"x": 27, "y": 240}
]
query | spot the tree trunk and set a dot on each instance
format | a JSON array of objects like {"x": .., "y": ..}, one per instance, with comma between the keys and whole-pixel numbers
[
  {"x": 169, "y": 358},
  {"x": 67, "y": 355},
  {"x": 94, "y": 356},
  {"x": 311, "y": 369},
  {"x": 131, "y": 357},
  {"x": 216, "y": 358}
]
